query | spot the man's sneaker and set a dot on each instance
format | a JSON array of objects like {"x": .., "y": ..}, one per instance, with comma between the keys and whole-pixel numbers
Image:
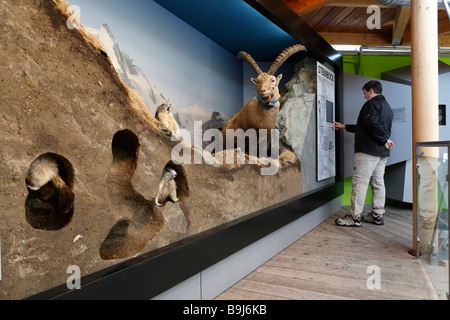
[
  {"x": 349, "y": 221},
  {"x": 373, "y": 218}
]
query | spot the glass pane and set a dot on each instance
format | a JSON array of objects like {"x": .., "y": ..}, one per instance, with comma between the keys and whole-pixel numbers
[{"x": 432, "y": 215}]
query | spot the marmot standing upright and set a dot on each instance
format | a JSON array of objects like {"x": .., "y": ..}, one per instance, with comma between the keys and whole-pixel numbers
[
  {"x": 165, "y": 117},
  {"x": 167, "y": 187}
]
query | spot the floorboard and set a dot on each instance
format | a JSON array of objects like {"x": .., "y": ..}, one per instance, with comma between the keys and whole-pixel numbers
[{"x": 332, "y": 263}]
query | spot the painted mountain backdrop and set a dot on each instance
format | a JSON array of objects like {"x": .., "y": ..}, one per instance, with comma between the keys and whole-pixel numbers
[{"x": 133, "y": 77}]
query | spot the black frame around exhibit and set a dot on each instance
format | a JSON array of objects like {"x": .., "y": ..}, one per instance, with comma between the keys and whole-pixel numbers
[{"x": 150, "y": 274}]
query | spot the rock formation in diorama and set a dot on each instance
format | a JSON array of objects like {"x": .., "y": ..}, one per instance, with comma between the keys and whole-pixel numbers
[
  {"x": 296, "y": 120},
  {"x": 60, "y": 97}
]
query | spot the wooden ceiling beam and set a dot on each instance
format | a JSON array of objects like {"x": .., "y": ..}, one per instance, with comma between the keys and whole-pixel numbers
[
  {"x": 363, "y": 39},
  {"x": 358, "y": 3},
  {"x": 335, "y": 26},
  {"x": 400, "y": 22},
  {"x": 406, "y": 39},
  {"x": 338, "y": 19},
  {"x": 371, "y": 39},
  {"x": 444, "y": 41},
  {"x": 444, "y": 27},
  {"x": 302, "y": 7}
]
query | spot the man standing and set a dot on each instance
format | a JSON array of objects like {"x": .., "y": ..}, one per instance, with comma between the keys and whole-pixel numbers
[{"x": 372, "y": 148}]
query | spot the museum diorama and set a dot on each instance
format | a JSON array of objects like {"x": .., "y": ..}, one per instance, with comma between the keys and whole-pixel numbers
[{"x": 106, "y": 167}]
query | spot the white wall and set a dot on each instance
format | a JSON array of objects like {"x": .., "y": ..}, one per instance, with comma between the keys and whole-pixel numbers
[
  {"x": 398, "y": 185},
  {"x": 444, "y": 98},
  {"x": 399, "y": 98}
]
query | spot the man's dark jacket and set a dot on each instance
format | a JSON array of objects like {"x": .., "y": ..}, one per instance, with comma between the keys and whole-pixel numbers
[{"x": 373, "y": 128}]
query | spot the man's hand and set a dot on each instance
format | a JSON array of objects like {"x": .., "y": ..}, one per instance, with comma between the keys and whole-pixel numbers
[
  {"x": 389, "y": 144},
  {"x": 338, "y": 125}
]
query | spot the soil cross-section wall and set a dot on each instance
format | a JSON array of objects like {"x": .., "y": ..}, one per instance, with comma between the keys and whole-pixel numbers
[{"x": 92, "y": 157}]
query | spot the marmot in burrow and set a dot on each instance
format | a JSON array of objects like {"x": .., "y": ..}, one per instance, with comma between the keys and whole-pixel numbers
[
  {"x": 167, "y": 187},
  {"x": 43, "y": 170},
  {"x": 165, "y": 117}
]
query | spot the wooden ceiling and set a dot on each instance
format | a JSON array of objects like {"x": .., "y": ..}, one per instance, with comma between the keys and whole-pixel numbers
[{"x": 345, "y": 22}]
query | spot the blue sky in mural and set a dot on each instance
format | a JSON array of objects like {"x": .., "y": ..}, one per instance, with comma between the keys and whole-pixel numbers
[{"x": 123, "y": 17}]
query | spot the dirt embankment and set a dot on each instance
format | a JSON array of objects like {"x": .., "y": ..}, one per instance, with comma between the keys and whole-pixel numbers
[{"x": 59, "y": 96}]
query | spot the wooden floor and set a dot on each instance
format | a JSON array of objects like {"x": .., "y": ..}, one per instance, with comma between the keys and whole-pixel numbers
[{"x": 332, "y": 262}]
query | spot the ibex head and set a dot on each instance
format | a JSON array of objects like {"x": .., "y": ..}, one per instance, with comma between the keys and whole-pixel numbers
[{"x": 267, "y": 83}]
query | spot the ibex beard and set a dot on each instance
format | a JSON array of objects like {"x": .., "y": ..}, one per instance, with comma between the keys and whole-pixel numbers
[{"x": 255, "y": 143}]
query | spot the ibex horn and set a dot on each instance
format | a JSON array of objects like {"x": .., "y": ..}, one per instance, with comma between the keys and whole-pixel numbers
[
  {"x": 283, "y": 56},
  {"x": 246, "y": 57}
]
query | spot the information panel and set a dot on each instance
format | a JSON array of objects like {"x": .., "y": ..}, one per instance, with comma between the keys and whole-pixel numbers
[{"x": 326, "y": 147}]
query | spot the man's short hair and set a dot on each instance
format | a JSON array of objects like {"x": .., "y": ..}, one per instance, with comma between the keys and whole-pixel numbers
[{"x": 375, "y": 85}]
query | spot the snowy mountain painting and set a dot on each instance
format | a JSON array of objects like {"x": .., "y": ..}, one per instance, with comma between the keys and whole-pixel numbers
[
  {"x": 133, "y": 77},
  {"x": 130, "y": 74}
]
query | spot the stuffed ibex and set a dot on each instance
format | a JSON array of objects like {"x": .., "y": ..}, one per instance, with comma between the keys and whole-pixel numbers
[{"x": 261, "y": 112}]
